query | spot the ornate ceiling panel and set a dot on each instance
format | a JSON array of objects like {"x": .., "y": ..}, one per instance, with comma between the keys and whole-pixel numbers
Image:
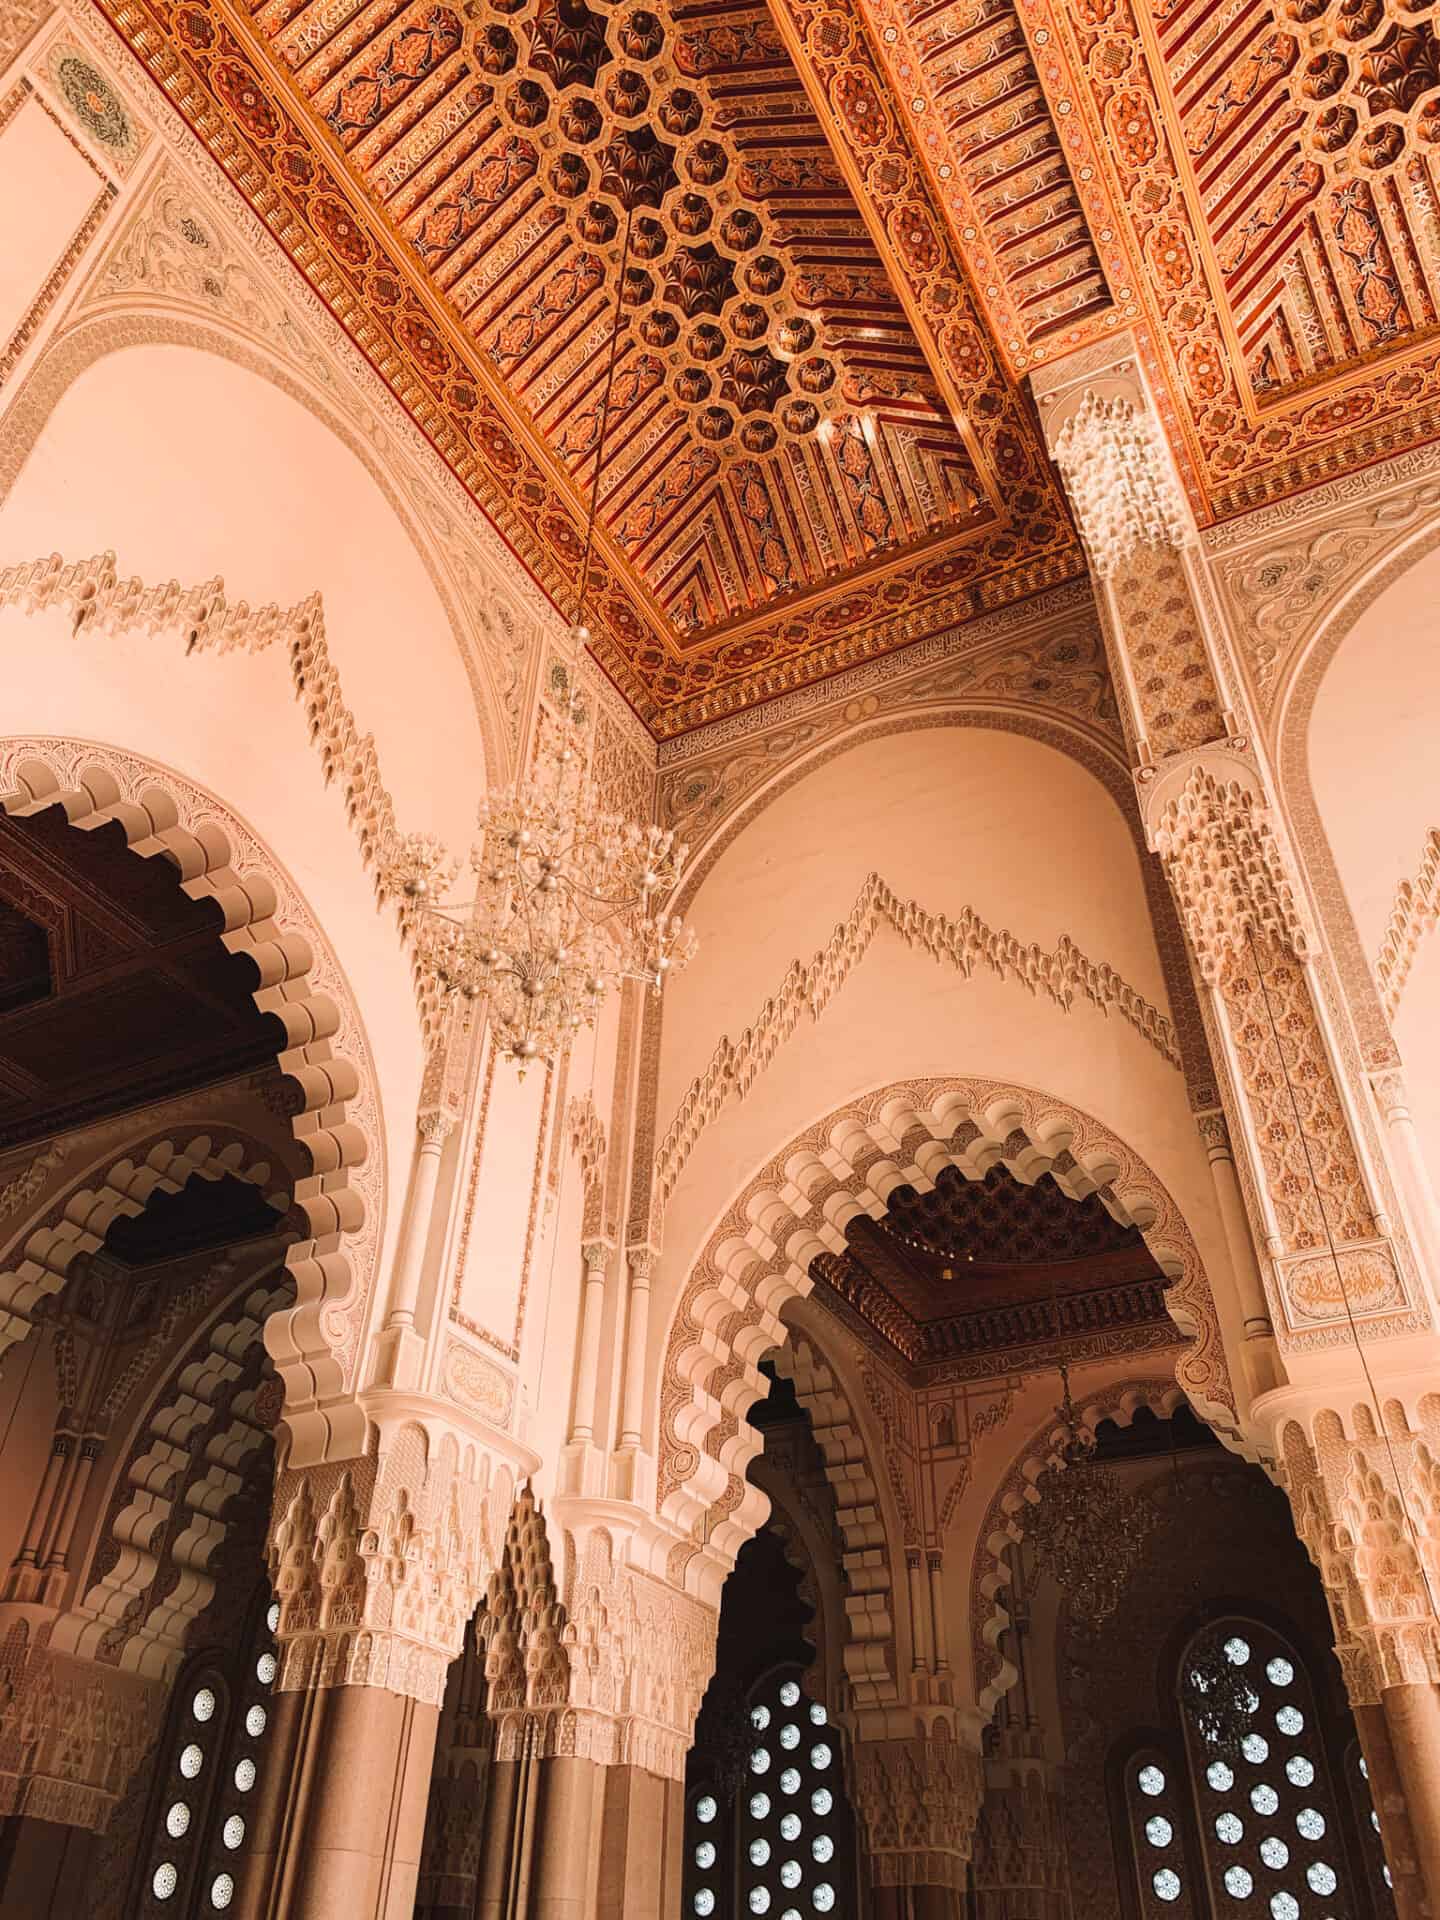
[
  {"x": 814, "y": 454},
  {"x": 992, "y": 1266},
  {"x": 1267, "y": 170}
]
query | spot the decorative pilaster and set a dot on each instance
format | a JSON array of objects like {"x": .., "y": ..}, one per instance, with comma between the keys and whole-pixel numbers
[
  {"x": 1311, "y": 1162},
  {"x": 401, "y": 1348}
]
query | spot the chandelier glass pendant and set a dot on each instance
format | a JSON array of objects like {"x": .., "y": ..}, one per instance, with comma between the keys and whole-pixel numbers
[{"x": 567, "y": 900}]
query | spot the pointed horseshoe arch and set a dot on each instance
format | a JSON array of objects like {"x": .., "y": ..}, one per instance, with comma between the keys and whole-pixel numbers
[
  {"x": 314, "y": 1343},
  {"x": 758, "y": 1258}
]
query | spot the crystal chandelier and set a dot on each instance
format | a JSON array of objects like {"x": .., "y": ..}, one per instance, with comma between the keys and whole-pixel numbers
[
  {"x": 1085, "y": 1532},
  {"x": 567, "y": 901},
  {"x": 1217, "y": 1698}
]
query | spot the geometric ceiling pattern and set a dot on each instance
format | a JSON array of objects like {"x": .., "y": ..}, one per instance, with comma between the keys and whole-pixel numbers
[
  {"x": 841, "y": 234},
  {"x": 992, "y": 1266}
]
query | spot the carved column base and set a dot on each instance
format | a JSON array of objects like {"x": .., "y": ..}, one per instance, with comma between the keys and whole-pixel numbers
[{"x": 338, "y": 1829}]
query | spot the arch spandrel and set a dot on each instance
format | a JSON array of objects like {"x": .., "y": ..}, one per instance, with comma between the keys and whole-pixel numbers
[{"x": 316, "y": 1343}]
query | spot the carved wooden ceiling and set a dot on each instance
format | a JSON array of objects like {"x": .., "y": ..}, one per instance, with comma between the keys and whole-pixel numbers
[
  {"x": 124, "y": 992},
  {"x": 854, "y": 227},
  {"x": 993, "y": 1267}
]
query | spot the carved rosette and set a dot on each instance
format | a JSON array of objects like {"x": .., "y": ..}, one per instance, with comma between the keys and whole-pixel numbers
[
  {"x": 380, "y": 1562},
  {"x": 1367, "y": 1506},
  {"x": 917, "y": 1801}
]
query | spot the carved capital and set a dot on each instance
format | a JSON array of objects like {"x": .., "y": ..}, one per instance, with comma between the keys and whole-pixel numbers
[
  {"x": 641, "y": 1261},
  {"x": 917, "y": 1800},
  {"x": 435, "y": 1126},
  {"x": 1215, "y": 1134},
  {"x": 596, "y": 1255},
  {"x": 379, "y": 1563}
]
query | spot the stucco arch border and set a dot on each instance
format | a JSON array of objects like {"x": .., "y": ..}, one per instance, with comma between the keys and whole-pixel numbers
[
  {"x": 1294, "y": 711},
  {"x": 728, "y": 1315},
  {"x": 95, "y": 337},
  {"x": 1004, "y": 1524},
  {"x": 326, "y": 1055},
  {"x": 36, "y": 1262}
]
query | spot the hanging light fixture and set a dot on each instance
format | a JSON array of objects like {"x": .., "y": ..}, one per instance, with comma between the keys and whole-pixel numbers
[
  {"x": 1085, "y": 1531},
  {"x": 567, "y": 900}
]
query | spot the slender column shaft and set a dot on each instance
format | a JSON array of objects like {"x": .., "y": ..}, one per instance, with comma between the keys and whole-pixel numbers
[
  {"x": 637, "y": 1339},
  {"x": 410, "y": 1256},
  {"x": 59, "y": 1553},
  {"x": 40, "y": 1512},
  {"x": 592, "y": 1311},
  {"x": 919, "y": 1626},
  {"x": 937, "y": 1613},
  {"x": 1238, "y": 1239}
]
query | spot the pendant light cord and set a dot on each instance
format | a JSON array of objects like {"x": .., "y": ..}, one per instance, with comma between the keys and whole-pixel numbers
[{"x": 1340, "y": 1277}]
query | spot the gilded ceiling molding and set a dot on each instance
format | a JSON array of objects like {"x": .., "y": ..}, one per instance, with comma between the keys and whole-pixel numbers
[
  {"x": 728, "y": 1313},
  {"x": 1003, "y": 1528},
  {"x": 38, "y": 1262},
  {"x": 964, "y": 942},
  {"x": 326, "y": 1055},
  {"x": 1416, "y": 912}
]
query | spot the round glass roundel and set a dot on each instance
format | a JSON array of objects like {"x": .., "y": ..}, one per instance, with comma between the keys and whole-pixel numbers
[
  {"x": 760, "y": 1761},
  {"x": 1264, "y": 1798},
  {"x": 1166, "y": 1884},
  {"x": 790, "y": 1780},
  {"x": 165, "y": 1880},
  {"x": 1220, "y": 1776},
  {"x": 790, "y": 1826},
  {"x": 203, "y": 1705},
  {"x": 820, "y": 1756},
  {"x": 1237, "y": 1651},
  {"x": 177, "y": 1820},
  {"x": 1284, "y": 1906},
  {"x": 791, "y": 1913},
  {"x": 759, "y": 1807},
  {"x": 233, "y": 1832},
  {"x": 1310, "y": 1823},
  {"x": 817, "y": 1714},
  {"x": 222, "y": 1891},
  {"x": 1298, "y": 1770},
  {"x": 1229, "y": 1829},
  {"x": 704, "y": 1903},
  {"x": 1150, "y": 1780},
  {"x": 759, "y": 1853},
  {"x": 790, "y": 1875},
  {"x": 192, "y": 1759},
  {"x": 823, "y": 1898},
  {"x": 255, "y": 1721},
  {"x": 1290, "y": 1720},
  {"x": 1279, "y": 1672},
  {"x": 821, "y": 1802},
  {"x": 266, "y": 1667},
  {"x": 1158, "y": 1830},
  {"x": 789, "y": 1735},
  {"x": 705, "y": 1854},
  {"x": 789, "y": 1694},
  {"x": 272, "y": 1615},
  {"x": 822, "y": 1848},
  {"x": 1374, "y": 1820},
  {"x": 1238, "y": 1883},
  {"x": 245, "y": 1774},
  {"x": 759, "y": 1899},
  {"x": 759, "y": 1718},
  {"x": 706, "y": 1809},
  {"x": 1321, "y": 1877},
  {"x": 1255, "y": 1748},
  {"x": 1274, "y": 1852}
]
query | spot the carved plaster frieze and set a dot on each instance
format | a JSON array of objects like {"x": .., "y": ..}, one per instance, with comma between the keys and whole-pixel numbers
[
  {"x": 71, "y": 1733},
  {"x": 917, "y": 1800},
  {"x": 964, "y": 942}
]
